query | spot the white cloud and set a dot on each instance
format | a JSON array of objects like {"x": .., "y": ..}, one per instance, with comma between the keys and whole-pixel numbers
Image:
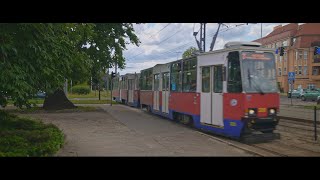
[{"x": 172, "y": 40}]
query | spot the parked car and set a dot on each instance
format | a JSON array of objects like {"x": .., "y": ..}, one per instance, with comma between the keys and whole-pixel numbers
[
  {"x": 41, "y": 94},
  {"x": 310, "y": 95},
  {"x": 295, "y": 93}
]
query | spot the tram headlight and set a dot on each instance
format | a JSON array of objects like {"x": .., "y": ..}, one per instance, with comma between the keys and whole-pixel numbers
[
  {"x": 252, "y": 112},
  {"x": 272, "y": 111}
]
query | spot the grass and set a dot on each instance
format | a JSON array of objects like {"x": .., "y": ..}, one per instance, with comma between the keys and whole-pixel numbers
[
  {"x": 32, "y": 101},
  {"x": 24, "y": 137},
  {"x": 311, "y": 106},
  {"x": 92, "y": 94},
  {"x": 82, "y": 101},
  {"x": 284, "y": 94}
]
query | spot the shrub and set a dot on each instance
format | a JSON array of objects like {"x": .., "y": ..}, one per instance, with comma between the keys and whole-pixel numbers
[
  {"x": 25, "y": 137},
  {"x": 81, "y": 90}
]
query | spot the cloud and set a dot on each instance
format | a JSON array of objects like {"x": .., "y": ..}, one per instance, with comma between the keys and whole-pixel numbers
[{"x": 165, "y": 42}]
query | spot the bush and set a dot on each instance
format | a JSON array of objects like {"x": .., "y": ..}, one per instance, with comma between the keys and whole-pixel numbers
[
  {"x": 25, "y": 137},
  {"x": 81, "y": 89}
]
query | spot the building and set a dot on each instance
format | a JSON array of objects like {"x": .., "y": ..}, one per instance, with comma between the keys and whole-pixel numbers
[{"x": 299, "y": 42}]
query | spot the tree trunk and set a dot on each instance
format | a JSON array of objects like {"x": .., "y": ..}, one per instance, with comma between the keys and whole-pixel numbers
[{"x": 57, "y": 101}]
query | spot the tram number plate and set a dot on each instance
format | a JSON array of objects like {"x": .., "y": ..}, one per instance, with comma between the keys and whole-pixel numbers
[{"x": 262, "y": 110}]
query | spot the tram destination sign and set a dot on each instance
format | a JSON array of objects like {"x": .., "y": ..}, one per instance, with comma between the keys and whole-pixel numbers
[{"x": 256, "y": 56}]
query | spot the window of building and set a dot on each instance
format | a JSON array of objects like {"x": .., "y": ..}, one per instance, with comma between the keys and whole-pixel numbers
[
  {"x": 189, "y": 75},
  {"x": 300, "y": 70},
  {"x": 279, "y": 71},
  {"x": 279, "y": 44},
  {"x": 175, "y": 76},
  {"x": 284, "y": 71},
  {"x": 296, "y": 60},
  {"x": 305, "y": 55},
  {"x": 293, "y": 40},
  {"x": 285, "y": 43},
  {"x": 285, "y": 56},
  {"x": 300, "y": 54},
  {"x": 311, "y": 86},
  {"x": 300, "y": 61},
  {"x": 305, "y": 70},
  {"x": 275, "y": 45},
  {"x": 315, "y": 71},
  {"x": 296, "y": 69}
]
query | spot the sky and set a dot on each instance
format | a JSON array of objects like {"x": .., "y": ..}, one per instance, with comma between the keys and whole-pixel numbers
[{"x": 166, "y": 42}]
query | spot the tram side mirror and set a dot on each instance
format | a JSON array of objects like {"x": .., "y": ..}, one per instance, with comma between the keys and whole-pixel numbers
[{"x": 224, "y": 73}]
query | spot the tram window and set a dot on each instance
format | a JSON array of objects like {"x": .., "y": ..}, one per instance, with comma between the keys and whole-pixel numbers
[
  {"x": 205, "y": 79},
  {"x": 175, "y": 76},
  {"x": 218, "y": 79},
  {"x": 165, "y": 81},
  {"x": 130, "y": 84},
  {"x": 146, "y": 79},
  {"x": 234, "y": 72},
  {"x": 137, "y": 83},
  {"x": 156, "y": 82},
  {"x": 189, "y": 75}
]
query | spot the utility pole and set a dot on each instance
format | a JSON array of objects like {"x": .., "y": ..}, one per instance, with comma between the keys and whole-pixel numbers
[
  {"x": 204, "y": 37},
  {"x": 202, "y": 43},
  {"x": 214, "y": 38}
]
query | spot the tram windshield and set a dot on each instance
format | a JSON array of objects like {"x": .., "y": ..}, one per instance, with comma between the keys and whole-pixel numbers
[{"x": 258, "y": 72}]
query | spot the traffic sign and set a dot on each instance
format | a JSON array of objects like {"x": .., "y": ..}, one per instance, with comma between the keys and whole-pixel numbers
[{"x": 291, "y": 76}]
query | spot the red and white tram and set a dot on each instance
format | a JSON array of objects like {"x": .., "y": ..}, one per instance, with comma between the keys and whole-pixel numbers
[{"x": 231, "y": 92}]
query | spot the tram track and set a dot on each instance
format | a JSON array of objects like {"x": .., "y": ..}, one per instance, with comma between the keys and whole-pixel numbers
[{"x": 296, "y": 140}]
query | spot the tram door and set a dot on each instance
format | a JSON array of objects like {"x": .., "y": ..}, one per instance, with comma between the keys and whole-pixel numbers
[
  {"x": 165, "y": 92},
  {"x": 156, "y": 84},
  {"x": 211, "y": 95},
  {"x": 130, "y": 90}
]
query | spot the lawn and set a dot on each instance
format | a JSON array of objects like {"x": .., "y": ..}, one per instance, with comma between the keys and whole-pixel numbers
[
  {"x": 311, "y": 106},
  {"x": 84, "y": 101},
  {"x": 24, "y": 137},
  {"x": 92, "y": 94}
]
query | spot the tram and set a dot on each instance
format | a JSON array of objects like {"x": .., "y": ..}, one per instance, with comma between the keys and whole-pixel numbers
[{"x": 231, "y": 92}]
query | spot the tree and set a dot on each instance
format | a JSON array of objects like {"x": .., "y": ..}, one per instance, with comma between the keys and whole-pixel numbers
[
  {"x": 189, "y": 52},
  {"x": 41, "y": 56}
]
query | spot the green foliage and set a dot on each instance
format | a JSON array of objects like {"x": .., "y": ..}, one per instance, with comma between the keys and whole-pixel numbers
[
  {"x": 81, "y": 89},
  {"x": 189, "y": 52},
  {"x": 40, "y": 56},
  {"x": 25, "y": 137}
]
